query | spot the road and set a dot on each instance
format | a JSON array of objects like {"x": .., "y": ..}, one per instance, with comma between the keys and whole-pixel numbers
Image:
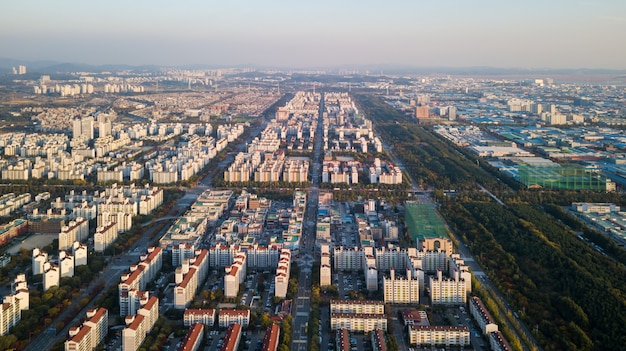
[{"x": 302, "y": 304}]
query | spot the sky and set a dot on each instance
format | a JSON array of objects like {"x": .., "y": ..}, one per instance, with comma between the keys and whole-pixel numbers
[{"x": 422, "y": 33}]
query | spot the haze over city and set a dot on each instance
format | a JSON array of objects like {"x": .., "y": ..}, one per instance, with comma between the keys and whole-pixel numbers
[{"x": 529, "y": 34}]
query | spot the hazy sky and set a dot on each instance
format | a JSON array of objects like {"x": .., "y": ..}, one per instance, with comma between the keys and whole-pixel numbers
[{"x": 498, "y": 33}]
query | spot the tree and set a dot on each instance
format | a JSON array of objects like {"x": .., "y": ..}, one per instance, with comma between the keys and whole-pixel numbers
[{"x": 265, "y": 320}]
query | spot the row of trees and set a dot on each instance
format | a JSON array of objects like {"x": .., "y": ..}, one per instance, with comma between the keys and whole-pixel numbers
[
  {"x": 570, "y": 295},
  {"x": 570, "y": 292}
]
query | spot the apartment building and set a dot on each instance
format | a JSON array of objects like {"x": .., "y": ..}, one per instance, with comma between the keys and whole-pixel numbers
[
  {"x": 66, "y": 264},
  {"x": 38, "y": 260},
  {"x": 281, "y": 279},
  {"x": 232, "y": 338},
  {"x": 105, "y": 235},
  {"x": 51, "y": 275},
  {"x": 447, "y": 290},
  {"x": 180, "y": 252},
  {"x": 123, "y": 221},
  {"x": 458, "y": 265},
  {"x": 227, "y": 317},
  {"x": 357, "y": 322},
  {"x": 402, "y": 290},
  {"x": 76, "y": 230},
  {"x": 193, "y": 338},
  {"x": 482, "y": 316},
  {"x": 204, "y": 316},
  {"x": 131, "y": 300},
  {"x": 138, "y": 277},
  {"x": 378, "y": 340},
  {"x": 91, "y": 333},
  {"x": 272, "y": 334},
  {"x": 498, "y": 342},
  {"x": 12, "y": 305},
  {"x": 189, "y": 276},
  {"x": 137, "y": 326},
  {"x": 357, "y": 307},
  {"x": 439, "y": 335},
  {"x": 235, "y": 275},
  {"x": 80, "y": 252},
  {"x": 347, "y": 259},
  {"x": 325, "y": 269}
]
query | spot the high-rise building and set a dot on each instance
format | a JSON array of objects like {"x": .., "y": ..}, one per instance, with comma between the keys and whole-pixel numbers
[
  {"x": 19, "y": 70},
  {"x": 452, "y": 113},
  {"x": 83, "y": 128},
  {"x": 422, "y": 112}
]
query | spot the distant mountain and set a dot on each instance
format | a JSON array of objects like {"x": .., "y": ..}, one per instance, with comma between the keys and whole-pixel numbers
[
  {"x": 6, "y": 65},
  {"x": 49, "y": 67}
]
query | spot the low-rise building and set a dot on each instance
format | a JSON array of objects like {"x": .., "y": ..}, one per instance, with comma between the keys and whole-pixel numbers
[
  {"x": 193, "y": 338},
  {"x": 227, "y": 317},
  {"x": 270, "y": 342},
  {"x": 439, "y": 335},
  {"x": 232, "y": 338},
  {"x": 357, "y": 307},
  {"x": 204, "y": 316},
  {"x": 482, "y": 316},
  {"x": 358, "y": 322},
  {"x": 378, "y": 340}
]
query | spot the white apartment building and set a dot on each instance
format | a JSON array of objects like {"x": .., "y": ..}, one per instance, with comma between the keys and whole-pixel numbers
[
  {"x": 235, "y": 275},
  {"x": 447, "y": 290},
  {"x": 38, "y": 260},
  {"x": 139, "y": 325},
  {"x": 131, "y": 301},
  {"x": 438, "y": 335},
  {"x": 348, "y": 259},
  {"x": 189, "y": 276},
  {"x": 325, "y": 269},
  {"x": 105, "y": 235},
  {"x": 119, "y": 204},
  {"x": 402, "y": 290},
  {"x": 281, "y": 279},
  {"x": 12, "y": 305},
  {"x": 358, "y": 322},
  {"x": 66, "y": 264},
  {"x": 357, "y": 307},
  {"x": 80, "y": 252},
  {"x": 227, "y": 317},
  {"x": 77, "y": 230},
  {"x": 222, "y": 255},
  {"x": 123, "y": 221},
  {"x": 482, "y": 316},
  {"x": 91, "y": 333},
  {"x": 51, "y": 275},
  {"x": 458, "y": 265},
  {"x": 180, "y": 252},
  {"x": 204, "y": 316},
  {"x": 140, "y": 274},
  {"x": 262, "y": 257}
]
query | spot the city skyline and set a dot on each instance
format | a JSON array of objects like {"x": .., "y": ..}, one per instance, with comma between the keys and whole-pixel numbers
[{"x": 534, "y": 35}]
